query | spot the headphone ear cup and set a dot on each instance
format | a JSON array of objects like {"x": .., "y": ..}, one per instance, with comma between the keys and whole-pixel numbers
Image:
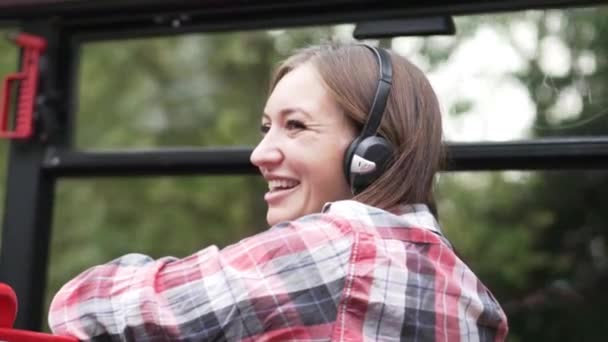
[
  {"x": 348, "y": 158},
  {"x": 372, "y": 149}
]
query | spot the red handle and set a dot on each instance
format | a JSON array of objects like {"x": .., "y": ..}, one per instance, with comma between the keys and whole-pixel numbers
[{"x": 32, "y": 47}]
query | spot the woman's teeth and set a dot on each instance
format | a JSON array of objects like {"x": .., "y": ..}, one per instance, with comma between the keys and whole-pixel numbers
[{"x": 281, "y": 184}]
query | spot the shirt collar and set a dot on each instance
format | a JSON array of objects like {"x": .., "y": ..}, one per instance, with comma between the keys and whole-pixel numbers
[{"x": 401, "y": 216}]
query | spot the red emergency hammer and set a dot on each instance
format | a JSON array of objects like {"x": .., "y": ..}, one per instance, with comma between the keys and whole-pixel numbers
[{"x": 21, "y": 113}]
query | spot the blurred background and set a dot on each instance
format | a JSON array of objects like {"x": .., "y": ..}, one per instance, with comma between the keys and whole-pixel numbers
[{"x": 538, "y": 240}]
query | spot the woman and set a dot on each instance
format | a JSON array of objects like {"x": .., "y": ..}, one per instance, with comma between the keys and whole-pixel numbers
[{"x": 352, "y": 142}]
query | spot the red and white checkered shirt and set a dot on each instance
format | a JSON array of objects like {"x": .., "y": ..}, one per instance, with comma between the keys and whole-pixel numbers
[{"x": 350, "y": 273}]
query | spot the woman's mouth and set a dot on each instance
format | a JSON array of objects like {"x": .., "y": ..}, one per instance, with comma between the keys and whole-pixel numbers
[{"x": 279, "y": 189}]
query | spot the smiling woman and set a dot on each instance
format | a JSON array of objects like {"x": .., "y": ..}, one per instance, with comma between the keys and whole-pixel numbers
[
  {"x": 351, "y": 145},
  {"x": 305, "y": 138}
]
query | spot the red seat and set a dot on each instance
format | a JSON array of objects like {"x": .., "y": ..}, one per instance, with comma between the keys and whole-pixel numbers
[{"x": 8, "y": 313}]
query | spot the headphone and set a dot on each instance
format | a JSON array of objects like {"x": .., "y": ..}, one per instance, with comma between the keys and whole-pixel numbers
[{"x": 368, "y": 155}]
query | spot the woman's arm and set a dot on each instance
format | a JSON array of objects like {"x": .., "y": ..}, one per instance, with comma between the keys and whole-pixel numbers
[{"x": 245, "y": 290}]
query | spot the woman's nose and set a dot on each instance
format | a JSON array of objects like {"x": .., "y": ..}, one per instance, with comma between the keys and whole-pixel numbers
[{"x": 266, "y": 153}]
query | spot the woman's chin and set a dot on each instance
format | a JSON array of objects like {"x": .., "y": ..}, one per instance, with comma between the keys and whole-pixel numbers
[{"x": 277, "y": 215}]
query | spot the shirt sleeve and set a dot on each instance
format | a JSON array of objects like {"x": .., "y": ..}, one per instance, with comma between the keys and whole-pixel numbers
[{"x": 274, "y": 281}]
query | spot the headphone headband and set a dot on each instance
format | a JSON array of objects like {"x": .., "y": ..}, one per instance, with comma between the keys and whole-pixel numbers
[
  {"x": 368, "y": 155},
  {"x": 383, "y": 89}
]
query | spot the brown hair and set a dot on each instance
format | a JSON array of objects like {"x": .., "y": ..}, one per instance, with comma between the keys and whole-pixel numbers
[{"x": 411, "y": 121}]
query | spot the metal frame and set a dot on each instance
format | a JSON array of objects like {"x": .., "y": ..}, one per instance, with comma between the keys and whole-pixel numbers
[
  {"x": 573, "y": 153},
  {"x": 311, "y": 9},
  {"x": 29, "y": 188},
  {"x": 36, "y": 164},
  {"x": 108, "y": 19}
]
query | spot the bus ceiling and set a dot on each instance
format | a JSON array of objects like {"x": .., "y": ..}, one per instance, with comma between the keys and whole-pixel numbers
[{"x": 303, "y": 11}]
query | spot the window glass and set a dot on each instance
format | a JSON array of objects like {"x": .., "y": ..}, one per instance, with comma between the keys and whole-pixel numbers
[
  {"x": 195, "y": 90},
  {"x": 502, "y": 77}
]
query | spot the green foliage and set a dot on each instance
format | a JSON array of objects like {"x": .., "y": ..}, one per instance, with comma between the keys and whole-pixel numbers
[{"x": 484, "y": 216}]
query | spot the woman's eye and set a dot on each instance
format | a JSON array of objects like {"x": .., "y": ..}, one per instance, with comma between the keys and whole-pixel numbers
[
  {"x": 294, "y": 124},
  {"x": 264, "y": 128}
]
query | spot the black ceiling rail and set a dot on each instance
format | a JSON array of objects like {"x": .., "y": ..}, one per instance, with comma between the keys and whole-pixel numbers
[
  {"x": 539, "y": 154},
  {"x": 106, "y": 19},
  {"x": 92, "y": 20},
  {"x": 149, "y": 162},
  {"x": 416, "y": 27},
  {"x": 159, "y": 19},
  {"x": 28, "y": 9}
]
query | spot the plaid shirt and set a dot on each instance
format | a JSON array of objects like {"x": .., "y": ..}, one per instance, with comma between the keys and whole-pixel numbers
[{"x": 350, "y": 273}]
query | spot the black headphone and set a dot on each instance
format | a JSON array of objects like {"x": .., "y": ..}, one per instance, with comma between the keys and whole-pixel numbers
[{"x": 367, "y": 156}]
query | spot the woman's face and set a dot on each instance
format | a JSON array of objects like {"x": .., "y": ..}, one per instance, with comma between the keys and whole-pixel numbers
[{"x": 300, "y": 155}]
